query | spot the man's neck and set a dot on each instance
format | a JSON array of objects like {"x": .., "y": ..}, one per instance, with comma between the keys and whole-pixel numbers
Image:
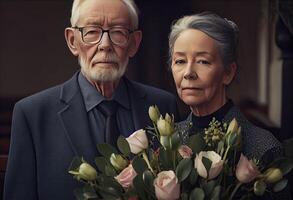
[{"x": 106, "y": 88}]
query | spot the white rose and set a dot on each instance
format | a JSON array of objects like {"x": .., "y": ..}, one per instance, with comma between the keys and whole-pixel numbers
[
  {"x": 138, "y": 141},
  {"x": 216, "y": 167}
]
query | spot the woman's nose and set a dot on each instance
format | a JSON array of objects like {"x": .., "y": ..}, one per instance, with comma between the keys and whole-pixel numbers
[{"x": 190, "y": 73}]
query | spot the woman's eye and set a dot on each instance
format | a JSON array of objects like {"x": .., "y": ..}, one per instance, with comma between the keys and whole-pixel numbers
[
  {"x": 179, "y": 62},
  {"x": 204, "y": 62}
]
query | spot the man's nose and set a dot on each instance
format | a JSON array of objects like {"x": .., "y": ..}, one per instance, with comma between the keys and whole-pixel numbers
[{"x": 105, "y": 43}]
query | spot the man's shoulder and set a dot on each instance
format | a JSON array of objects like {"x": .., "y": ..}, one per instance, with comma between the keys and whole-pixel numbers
[
  {"x": 42, "y": 97},
  {"x": 49, "y": 95}
]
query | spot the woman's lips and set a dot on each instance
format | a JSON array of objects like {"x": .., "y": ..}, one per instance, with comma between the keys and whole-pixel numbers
[{"x": 192, "y": 90}]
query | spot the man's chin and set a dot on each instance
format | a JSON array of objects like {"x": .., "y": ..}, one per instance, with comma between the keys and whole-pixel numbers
[{"x": 106, "y": 75}]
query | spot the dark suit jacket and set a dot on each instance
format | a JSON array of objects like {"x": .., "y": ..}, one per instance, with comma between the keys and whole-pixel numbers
[
  {"x": 256, "y": 143},
  {"x": 51, "y": 127}
]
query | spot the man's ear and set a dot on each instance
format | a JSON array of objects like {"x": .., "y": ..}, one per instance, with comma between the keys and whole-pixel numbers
[
  {"x": 230, "y": 74},
  {"x": 135, "y": 42},
  {"x": 70, "y": 40}
]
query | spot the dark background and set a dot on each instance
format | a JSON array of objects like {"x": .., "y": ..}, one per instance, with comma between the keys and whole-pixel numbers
[{"x": 34, "y": 54}]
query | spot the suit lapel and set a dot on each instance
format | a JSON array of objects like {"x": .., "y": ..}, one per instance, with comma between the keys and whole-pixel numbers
[
  {"x": 75, "y": 120},
  {"x": 139, "y": 108}
]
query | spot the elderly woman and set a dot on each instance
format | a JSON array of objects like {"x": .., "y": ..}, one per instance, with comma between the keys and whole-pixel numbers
[{"x": 203, "y": 62}]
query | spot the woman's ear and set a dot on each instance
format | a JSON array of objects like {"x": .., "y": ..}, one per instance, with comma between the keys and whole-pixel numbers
[
  {"x": 135, "y": 42},
  {"x": 70, "y": 40},
  {"x": 230, "y": 74}
]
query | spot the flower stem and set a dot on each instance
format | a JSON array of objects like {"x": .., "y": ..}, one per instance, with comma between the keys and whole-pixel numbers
[
  {"x": 156, "y": 131},
  {"x": 226, "y": 153},
  {"x": 145, "y": 157},
  {"x": 235, "y": 190},
  {"x": 174, "y": 159}
]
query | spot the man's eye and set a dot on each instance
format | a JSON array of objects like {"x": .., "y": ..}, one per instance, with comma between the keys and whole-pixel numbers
[
  {"x": 203, "y": 62},
  {"x": 92, "y": 32}
]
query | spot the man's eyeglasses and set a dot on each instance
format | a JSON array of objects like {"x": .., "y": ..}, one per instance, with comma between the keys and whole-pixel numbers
[{"x": 94, "y": 34}]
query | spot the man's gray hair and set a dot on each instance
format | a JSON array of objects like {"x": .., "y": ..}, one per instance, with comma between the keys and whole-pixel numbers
[
  {"x": 130, "y": 4},
  {"x": 224, "y": 31}
]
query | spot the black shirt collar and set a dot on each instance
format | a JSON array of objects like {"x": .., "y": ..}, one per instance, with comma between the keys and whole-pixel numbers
[
  {"x": 203, "y": 121},
  {"x": 92, "y": 97}
]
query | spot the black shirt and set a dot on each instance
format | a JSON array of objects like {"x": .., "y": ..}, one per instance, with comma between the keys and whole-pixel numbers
[{"x": 92, "y": 98}]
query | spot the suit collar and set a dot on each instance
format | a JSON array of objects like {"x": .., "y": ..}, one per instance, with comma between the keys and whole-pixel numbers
[{"x": 69, "y": 88}]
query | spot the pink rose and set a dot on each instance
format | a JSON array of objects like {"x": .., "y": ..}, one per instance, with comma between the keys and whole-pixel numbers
[
  {"x": 216, "y": 167},
  {"x": 126, "y": 177},
  {"x": 246, "y": 170},
  {"x": 138, "y": 141},
  {"x": 166, "y": 186},
  {"x": 185, "y": 151}
]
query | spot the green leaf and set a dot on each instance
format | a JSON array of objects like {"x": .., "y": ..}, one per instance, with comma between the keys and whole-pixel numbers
[
  {"x": 101, "y": 163},
  {"x": 110, "y": 170},
  {"x": 196, "y": 143},
  {"x": 75, "y": 163},
  {"x": 165, "y": 158},
  {"x": 183, "y": 169},
  {"x": 216, "y": 193},
  {"x": 197, "y": 194},
  {"x": 109, "y": 193},
  {"x": 193, "y": 177},
  {"x": 280, "y": 185},
  {"x": 106, "y": 150},
  {"x": 139, "y": 187},
  {"x": 139, "y": 165},
  {"x": 123, "y": 146},
  {"x": 209, "y": 187},
  {"x": 89, "y": 192},
  {"x": 148, "y": 179},
  {"x": 175, "y": 141},
  {"x": 78, "y": 193},
  {"x": 286, "y": 166},
  {"x": 207, "y": 164},
  {"x": 110, "y": 182},
  {"x": 184, "y": 196}
]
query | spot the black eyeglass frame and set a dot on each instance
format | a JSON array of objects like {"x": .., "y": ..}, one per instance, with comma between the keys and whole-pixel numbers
[{"x": 104, "y": 31}]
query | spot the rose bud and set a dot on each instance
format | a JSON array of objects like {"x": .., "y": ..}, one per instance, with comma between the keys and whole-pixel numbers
[
  {"x": 87, "y": 172},
  {"x": 126, "y": 177},
  {"x": 169, "y": 119},
  {"x": 185, "y": 151},
  {"x": 164, "y": 127},
  {"x": 259, "y": 188},
  {"x": 273, "y": 175},
  {"x": 118, "y": 162},
  {"x": 233, "y": 126},
  {"x": 166, "y": 186},
  {"x": 216, "y": 167},
  {"x": 246, "y": 170},
  {"x": 138, "y": 141},
  {"x": 154, "y": 113}
]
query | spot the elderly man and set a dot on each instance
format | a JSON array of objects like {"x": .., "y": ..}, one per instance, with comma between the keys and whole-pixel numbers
[{"x": 53, "y": 126}]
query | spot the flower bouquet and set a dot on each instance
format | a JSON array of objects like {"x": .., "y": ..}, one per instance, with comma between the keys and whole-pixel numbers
[{"x": 155, "y": 163}]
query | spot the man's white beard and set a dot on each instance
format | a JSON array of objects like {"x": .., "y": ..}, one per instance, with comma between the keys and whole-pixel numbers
[{"x": 102, "y": 74}]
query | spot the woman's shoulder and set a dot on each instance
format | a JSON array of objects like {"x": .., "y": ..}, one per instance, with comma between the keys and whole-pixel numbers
[{"x": 257, "y": 142}]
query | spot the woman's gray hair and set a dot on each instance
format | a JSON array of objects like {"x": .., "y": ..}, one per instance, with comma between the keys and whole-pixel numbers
[
  {"x": 130, "y": 4},
  {"x": 224, "y": 31}
]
